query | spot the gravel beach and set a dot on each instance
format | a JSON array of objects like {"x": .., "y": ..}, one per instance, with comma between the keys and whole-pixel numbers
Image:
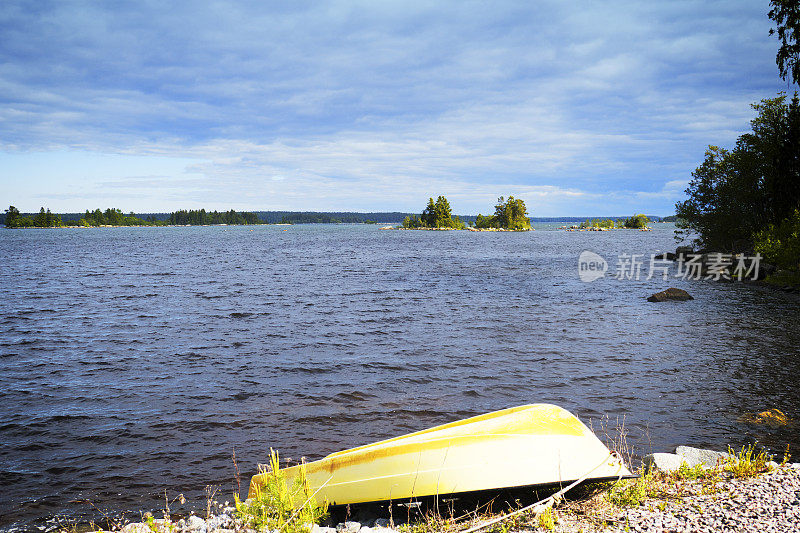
[{"x": 769, "y": 502}]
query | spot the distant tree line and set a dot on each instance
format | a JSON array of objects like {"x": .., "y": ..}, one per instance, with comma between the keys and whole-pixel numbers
[
  {"x": 115, "y": 217},
  {"x": 330, "y": 217},
  {"x": 112, "y": 217},
  {"x": 318, "y": 218},
  {"x": 44, "y": 219},
  {"x": 202, "y": 218}
]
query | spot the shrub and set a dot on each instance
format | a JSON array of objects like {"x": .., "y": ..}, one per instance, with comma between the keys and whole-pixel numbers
[
  {"x": 275, "y": 505},
  {"x": 781, "y": 244},
  {"x": 746, "y": 462}
]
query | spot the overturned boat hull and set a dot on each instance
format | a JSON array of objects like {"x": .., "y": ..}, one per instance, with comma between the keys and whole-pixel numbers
[{"x": 530, "y": 445}]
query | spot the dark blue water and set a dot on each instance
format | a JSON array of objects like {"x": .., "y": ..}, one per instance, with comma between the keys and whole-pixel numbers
[{"x": 137, "y": 360}]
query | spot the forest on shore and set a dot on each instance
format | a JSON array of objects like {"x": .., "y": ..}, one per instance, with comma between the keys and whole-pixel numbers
[
  {"x": 12, "y": 218},
  {"x": 747, "y": 199}
]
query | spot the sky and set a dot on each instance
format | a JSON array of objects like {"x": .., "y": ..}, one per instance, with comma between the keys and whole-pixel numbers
[{"x": 578, "y": 108}]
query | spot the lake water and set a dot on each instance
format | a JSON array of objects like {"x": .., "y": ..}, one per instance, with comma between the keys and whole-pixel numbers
[{"x": 134, "y": 360}]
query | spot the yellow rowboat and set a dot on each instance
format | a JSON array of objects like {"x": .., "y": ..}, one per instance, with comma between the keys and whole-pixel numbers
[{"x": 530, "y": 445}]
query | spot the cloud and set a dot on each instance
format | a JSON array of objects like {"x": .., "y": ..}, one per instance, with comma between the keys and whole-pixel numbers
[{"x": 465, "y": 96}]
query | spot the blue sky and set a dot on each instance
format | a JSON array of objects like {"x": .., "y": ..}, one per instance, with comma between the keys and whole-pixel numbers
[{"x": 579, "y": 108}]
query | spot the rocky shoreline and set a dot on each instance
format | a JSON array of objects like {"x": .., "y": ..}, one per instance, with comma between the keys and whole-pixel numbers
[
  {"x": 766, "y": 503},
  {"x": 689, "y": 491}
]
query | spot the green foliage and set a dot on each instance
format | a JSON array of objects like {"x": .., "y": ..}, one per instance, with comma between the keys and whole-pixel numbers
[
  {"x": 413, "y": 222},
  {"x": 686, "y": 472},
  {"x": 43, "y": 219},
  {"x": 512, "y": 214},
  {"x": 279, "y": 507},
  {"x": 780, "y": 244},
  {"x": 636, "y": 222},
  {"x": 435, "y": 215},
  {"x": 114, "y": 217},
  {"x": 12, "y": 215},
  {"x": 509, "y": 214},
  {"x": 631, "y": 492},
  {"x": 746, "y": 462},
  {"x": 482, "y": 222},
  {"x": 547, "y": 519},
  {"x": 786, "y": 16},
  {"x": 202, "y": 218},
  {"x": 735, "y": 194},
  {"x": 598, "y": 223}
]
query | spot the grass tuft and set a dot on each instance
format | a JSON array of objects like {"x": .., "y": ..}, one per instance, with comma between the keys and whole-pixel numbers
[
  {"x": 691, "y": 473},
  {"x": 547, "y": 519},
  {"x": 275, "y": 505},
  {"x": 631, "y": 492},
  {"x": 746, "y": 462}
]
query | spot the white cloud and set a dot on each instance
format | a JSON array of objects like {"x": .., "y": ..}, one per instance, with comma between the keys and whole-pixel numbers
[{"x": 377, "y": 104}]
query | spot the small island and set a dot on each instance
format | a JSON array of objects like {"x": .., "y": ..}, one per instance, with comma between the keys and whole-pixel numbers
[
  {"x": 509, "y": 215},
  {"x": 638, "y": 222}
]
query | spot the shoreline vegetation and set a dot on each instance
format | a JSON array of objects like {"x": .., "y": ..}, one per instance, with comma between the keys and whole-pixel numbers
[
  {"x": 112, "y": 217},
  {"x": 692, "y": 489},
  {"x": 746, "y": 200}
]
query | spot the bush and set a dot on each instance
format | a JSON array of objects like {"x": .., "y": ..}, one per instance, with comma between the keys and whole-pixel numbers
[
  {"x": 636, "y": 222},
  {"x": 780, "y": 244}
]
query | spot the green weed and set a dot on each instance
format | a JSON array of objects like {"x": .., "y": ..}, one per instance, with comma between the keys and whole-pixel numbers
[
  {"x": 746, "y": 462},
  {"x": 274, "y": 506},
  {"x": 630, "y": 492},
  {"x": 547, "y": 519},
  {"x": 688, "y": 473}
]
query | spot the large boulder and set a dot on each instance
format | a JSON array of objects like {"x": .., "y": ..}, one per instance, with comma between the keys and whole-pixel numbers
[
  {"x": 697, "y": 456},
  {"x": 663, "y": 462},
  {"x": 670, "y": 294}
]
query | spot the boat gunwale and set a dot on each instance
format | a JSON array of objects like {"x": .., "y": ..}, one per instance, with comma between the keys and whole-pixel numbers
[{"x": 449, "y": 425}]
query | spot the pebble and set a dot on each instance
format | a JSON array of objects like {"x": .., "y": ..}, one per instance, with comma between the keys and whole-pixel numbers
[
  {"x": 769, "y": 503},
  {"x": 765, "y": 504},
  {"x": 349, "y": 527}
]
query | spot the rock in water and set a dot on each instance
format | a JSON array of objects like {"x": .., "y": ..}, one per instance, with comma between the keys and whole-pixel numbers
[{"x": 670, "y": 294}]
